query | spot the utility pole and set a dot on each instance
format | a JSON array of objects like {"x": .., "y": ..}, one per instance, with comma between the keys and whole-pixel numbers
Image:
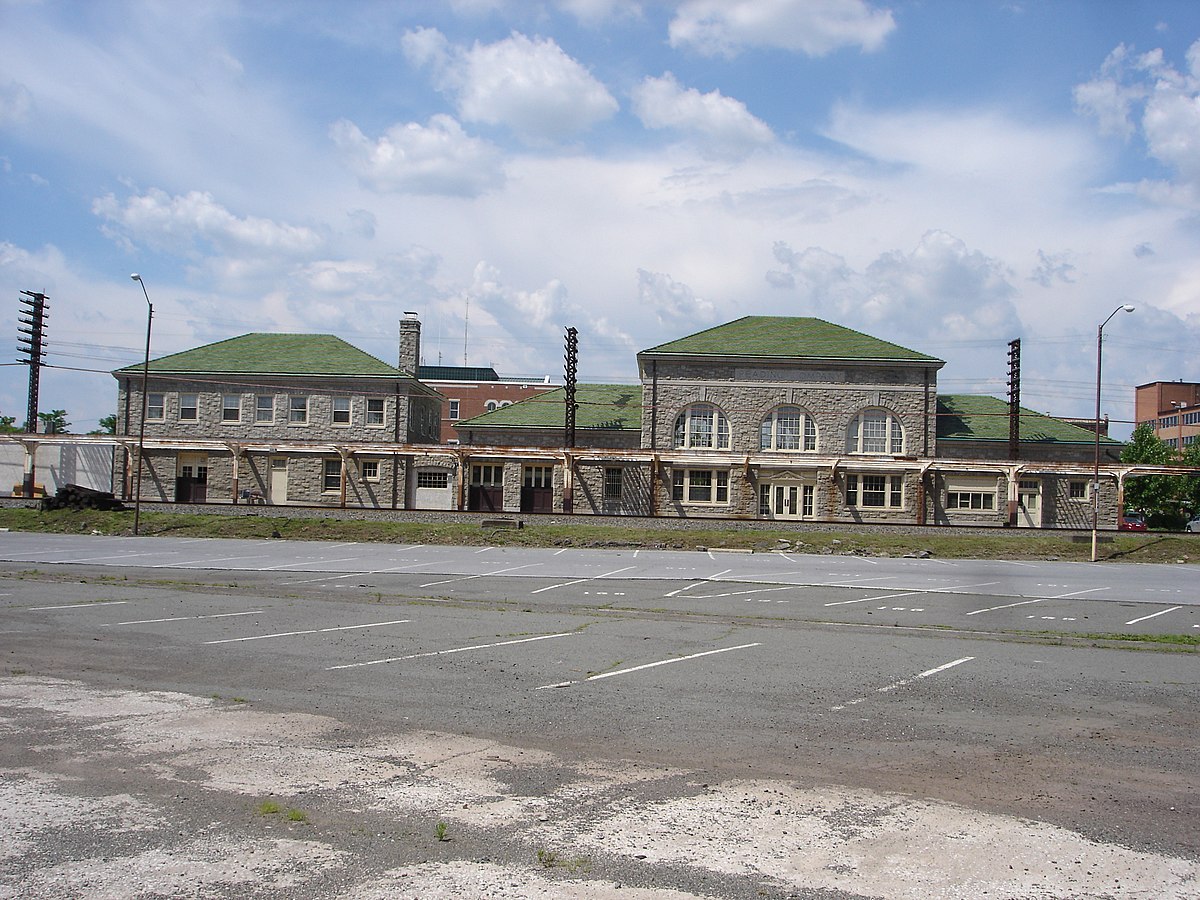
[
  {"x": 32, "y": 324},
  {"x": 572, "y": 361},
  {"x": 1014, "y": 399}
]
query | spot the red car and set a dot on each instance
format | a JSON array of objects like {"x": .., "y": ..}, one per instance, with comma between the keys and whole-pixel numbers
[{"x": 1133, "y": 522}]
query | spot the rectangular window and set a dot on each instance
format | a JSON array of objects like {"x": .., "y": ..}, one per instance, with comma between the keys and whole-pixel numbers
[
  {"x": 433, "y": 479},
  {"x": 189, "y": 407},
  {"x": 332, "y": 479},
  {"x": 341, "y": 410},
  {"x": 707, "y": 486},
  {"x": 297, "y": 410},
  {"x": 539, "y": 476},
  {"x": 875, "y": 491},
  {"x": 264, "y": 408},
  {"x": 1078, "y": 490},
  {"x": 487, "y": 475},
  {"x": 156, "y": 406},
  {"x": 613, "y": 480},
  {"x": 454, "y": 411},
  {"x": 808, "y": 492},
  {"x": 231, "y": 407},
  {"x": 374, "y": 411},
  {"x": 970, "y": 500},
  {"x": 369, "y": 469}
]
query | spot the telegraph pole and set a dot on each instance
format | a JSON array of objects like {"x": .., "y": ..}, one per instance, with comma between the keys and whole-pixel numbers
[
  {"x": 32, "y": 325},
  {"x": 1014, "y": 399},
  {"x": 572, "y": 361}
]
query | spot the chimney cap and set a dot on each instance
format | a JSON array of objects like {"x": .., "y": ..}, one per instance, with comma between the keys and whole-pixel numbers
[{"x": 411, "y": 313}]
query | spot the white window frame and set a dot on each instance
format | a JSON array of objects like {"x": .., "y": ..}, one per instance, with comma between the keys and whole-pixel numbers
[
  {"x": 339, "y": 411},
  {"x": 376, "y": 412},
  {"x": 538, "y": 476},
  {"x": 231, "y": 403},
  {"x": 769, "y": 432},
  {"x": 434, "y": 479},
  {"x": 298, "y": 404},
  {"x": 861, "y": 438},
  {"x": 701, "y": 426},
  {"x": 368, "y": 469},
  {"x": 161, "y": 406},
  {"x": 189, "y": 402},
  {"x": 890, "y": 491},
  {"x": 1084, "y": 489},
  {"x": 331, "y": 482},
  {"x": 689, "y": 487},
  {"x": 264, "y": 412},
  {"x": 454, "y": 410}
]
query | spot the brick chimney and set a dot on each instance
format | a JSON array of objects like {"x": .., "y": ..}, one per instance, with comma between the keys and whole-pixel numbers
[{"x": 410, "y": 343}]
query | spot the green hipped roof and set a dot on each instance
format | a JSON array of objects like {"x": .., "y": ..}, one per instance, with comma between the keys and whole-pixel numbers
[
  {"x": 966, "y": 417},
  {"x": 788, "y": 337},
  {"x": 609, "y": 406},
  {"x": 271, "y": 354}
]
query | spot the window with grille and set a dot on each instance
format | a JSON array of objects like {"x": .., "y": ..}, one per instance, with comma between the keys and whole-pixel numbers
[
  {"x": 788, "y": 428},
  {"x": 875, "y": 491},
  {"x": 297, "y": 410},
  {"x": 369, "y": 469},
  {"x": 614, "y": 478},
  {"x": 433, "y": 479},
  {"x": 341, "y": 410},
  {"x": 375, "y": 411},
  {"x": 189, "y": 407},
  {"x": 700, "y": 486},
  {"x": 264, "y": 408},
  {"x": 156, "y": 406},
  {"x": 702, "y": 426},
  {"x": 332, "y": 478},
  {"x": 231, "y": 408},
  {"x": 875, "y": 431}
]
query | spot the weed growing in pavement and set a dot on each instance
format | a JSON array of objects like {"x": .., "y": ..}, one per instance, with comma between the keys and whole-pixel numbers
[
  {"x": 296, "y": 815},
  {"x": 439, "y": 831},
  {"x": 268, "y": 808},
  {"x": 549, "y": 859}
]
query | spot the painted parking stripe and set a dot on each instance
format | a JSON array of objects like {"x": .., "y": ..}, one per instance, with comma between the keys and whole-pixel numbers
[
  {"x": 392, "y": 659},
  {"x": 869, "y": 599},
  {"x": 579, "y": 580},
  {"x": 206, "y": 560},
  {"x": 904, "y": 682},
  {"x": 483, "y": 575},
  {"x": 1161, "y": 612},
  {"x": 309, "y": 561},
  {"x": 653, "y": 665},
  {"x": 359, "y": 574},
  {"x": 81, "y": 605},
  {"x": 252, "y": 612},
  {"x": 263, "y": 637},
  {"x": 786, "y": 587},
  {"x": 1065, "y": 596}
]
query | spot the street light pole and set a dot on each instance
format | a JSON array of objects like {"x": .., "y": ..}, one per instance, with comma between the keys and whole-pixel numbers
[
  {"x": 137, "y": 478},
  {"x": 1179, "y": 408},
  {"x": 1096, "y": 473}
]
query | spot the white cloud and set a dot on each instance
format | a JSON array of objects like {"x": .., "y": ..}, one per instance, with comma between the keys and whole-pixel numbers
[
  {"x": 15, "y": 101},
  {"x": 596, "y": 12},
  {"x": 194, "y": 222},
  {"x": 812, "y": 27},
  {"x": 527, "y": 85},
  {"x": 722, "y": 124},
  {"x": 673, "y": 303},
  {"x": 1145, "y": 95},
  {"x": 438, "y": 158}
]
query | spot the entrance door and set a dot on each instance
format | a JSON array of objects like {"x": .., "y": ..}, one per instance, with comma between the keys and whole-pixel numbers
[
  {"x": 785, "y": 500},
  {"x": 537, "y": 490},
  {"x": 279, "y": 478},
  {"x": 486, "y": 493},
  {"x": 1029, "y": 505},
  {"x": 191, "y": 480}
]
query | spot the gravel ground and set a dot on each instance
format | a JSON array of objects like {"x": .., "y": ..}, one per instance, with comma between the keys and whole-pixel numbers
[{"x": 112, "y": 793}]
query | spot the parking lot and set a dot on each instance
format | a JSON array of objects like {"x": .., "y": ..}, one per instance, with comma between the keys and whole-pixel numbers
[{"x": 579, "y": 720}]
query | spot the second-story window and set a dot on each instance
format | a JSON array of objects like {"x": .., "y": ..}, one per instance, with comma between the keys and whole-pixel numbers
[
  {"x": 264, "y": 408},
  {"x": 189, "y": 407},
  {"x": 788, "y": 428},
  {"x": 875, "y": 431},
  {"x": 297, "y": 410},
  {"x": 341, "y": 410},
  {"x": 155, "y": 406},
  {"x": 454, "y": 410},
  {"x": 702, "y": 426},
  {"x": 375, "y": 411},
  {"x": 231, "y": 407}
]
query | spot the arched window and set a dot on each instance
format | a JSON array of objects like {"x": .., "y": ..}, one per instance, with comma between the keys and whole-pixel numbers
[
  {"x": 702, "y": 426},
  {"x": 788, "y": 428},
  {"x": 876, "y": 431},
  {"x": 490, "y": 406}
]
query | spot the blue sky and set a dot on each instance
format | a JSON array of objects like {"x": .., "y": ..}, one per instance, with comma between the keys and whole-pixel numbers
[{"x": 945, "y": 175}]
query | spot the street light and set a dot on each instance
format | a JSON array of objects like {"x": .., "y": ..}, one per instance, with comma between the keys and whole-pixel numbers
[
  {"x": 1096, "y": 473},
  {"x": 137, "y": 478},
  {"x": 1180, "y": 406}
]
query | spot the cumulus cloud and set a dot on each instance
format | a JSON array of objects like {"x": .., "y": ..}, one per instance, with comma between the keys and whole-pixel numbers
[
  {"x": 673, "y": 303},
  {"x": 438, "y": 158},
  {"x": 528, "y": 85},
  {"x": 1144, "y": 95},
  {"x": 721, "y": 125},
  {"x": 812, "y": 27},
  {"x": 940, "y": 288},
  {"x": 1053, "y": 268},
  {"x": 195, "y": 221}
]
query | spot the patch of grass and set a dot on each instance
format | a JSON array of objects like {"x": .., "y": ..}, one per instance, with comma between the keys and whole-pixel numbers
[
  {"x": 1182, "y": 640},
  {"x": 439, "y": 831},
  {"x": 268, "y": 808},
  {"x": 549, "y": 859},
  {"x": 296, "y": 815}
]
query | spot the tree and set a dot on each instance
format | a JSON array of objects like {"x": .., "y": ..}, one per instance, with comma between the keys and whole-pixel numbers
[
  {"x": 108, "y": 425},
  {"x": 1162, "y": 498},
  {"x": 55, "y": 421},
  {"x": 7, "y": 425}
]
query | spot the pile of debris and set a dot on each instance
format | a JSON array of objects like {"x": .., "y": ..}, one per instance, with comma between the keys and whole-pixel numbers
[{"x": 74, "y": 496}]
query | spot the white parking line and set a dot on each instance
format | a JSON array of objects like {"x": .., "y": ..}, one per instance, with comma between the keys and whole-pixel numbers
[
  {"x": 357, "y": 574},
  {"x": 661, "y": 662},
  {"x": 579, "y": 580},
  {"x": 252, "y": 612},
  {"x": 193, "y": 562},
  {"x": 1065, "y": 596},
  {"x": 81, "y": 605},
  {"x": 869, "y": 599},
  {"x": 685, "y": 588},
  {"x": 740, "y": 593},
  {"x": 263, "y": 637},
  {"x": 1153, "y": 615},
  {"x": 392, "y": 659},
  {"x": 309, "y": 561},
  {"x": 483, "y": 575},
  {"x": 904, "y": 682}
]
